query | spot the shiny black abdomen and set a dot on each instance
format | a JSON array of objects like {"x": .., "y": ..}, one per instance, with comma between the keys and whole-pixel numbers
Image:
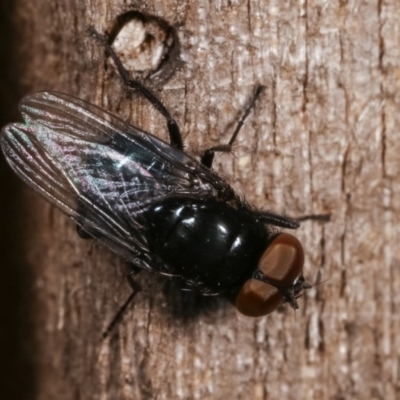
[{"x": 206, "y": 242}]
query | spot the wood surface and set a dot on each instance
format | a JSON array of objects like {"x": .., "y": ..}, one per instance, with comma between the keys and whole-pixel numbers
[{"x": 324, "y": 138}]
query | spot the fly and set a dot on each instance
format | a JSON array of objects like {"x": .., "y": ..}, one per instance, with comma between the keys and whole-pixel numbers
[{"x": 153, "y": 204}]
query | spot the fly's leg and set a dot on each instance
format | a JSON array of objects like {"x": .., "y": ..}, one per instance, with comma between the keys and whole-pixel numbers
[
  {"x": 136, "y": 288},
  {"x": 315, "y": 217},
  {"x": 173, "y": 129},
  {"x": 268, "y": 217},
  {"x": 208, "y": 156}
]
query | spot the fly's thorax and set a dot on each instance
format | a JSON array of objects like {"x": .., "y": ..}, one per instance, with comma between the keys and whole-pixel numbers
[{"x": 214, "y": 246}]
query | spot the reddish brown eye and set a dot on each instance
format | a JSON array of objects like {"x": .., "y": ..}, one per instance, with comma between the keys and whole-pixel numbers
[{"x": 282, "y": 262}]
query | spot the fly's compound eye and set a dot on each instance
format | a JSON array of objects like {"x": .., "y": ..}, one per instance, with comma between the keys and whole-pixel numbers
[{"x": 278, "y": 278}]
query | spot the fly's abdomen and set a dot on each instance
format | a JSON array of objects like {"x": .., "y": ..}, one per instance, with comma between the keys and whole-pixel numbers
[{"x": 207, "y": 243}]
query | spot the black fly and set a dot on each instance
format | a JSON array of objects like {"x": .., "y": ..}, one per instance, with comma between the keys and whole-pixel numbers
[{"x": 151, "y": 203}]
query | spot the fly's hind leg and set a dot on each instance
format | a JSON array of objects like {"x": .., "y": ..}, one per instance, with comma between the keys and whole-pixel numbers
[
  {"x": 208, "y": 156},
  {"x": 136, "y": 288},
  {"x": 173, "y": 129}
]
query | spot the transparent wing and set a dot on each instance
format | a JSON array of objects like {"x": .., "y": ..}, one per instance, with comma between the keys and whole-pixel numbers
[{"x": 101, "y": 171}]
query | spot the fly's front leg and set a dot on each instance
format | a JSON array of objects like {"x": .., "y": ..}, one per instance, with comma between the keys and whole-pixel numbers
[
  {"x": 173, "y": 129},
  {"x": 208, "y": 156},
  {"x": 283, "y": 221},
  {"x": 315, "y": 217}
]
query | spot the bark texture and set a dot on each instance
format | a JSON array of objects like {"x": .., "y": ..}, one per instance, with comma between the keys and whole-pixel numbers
[{"x": 322, "y": 139}]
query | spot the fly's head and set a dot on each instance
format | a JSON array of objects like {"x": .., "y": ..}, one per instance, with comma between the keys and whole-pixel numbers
[{"x": 278, "y": 278}]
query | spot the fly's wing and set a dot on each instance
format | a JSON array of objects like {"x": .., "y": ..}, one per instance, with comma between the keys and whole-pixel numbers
[{"x": 99, "y": 170}]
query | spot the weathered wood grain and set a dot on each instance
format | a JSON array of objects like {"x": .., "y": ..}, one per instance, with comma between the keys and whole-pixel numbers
[{"x": 323, "y": 139}]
